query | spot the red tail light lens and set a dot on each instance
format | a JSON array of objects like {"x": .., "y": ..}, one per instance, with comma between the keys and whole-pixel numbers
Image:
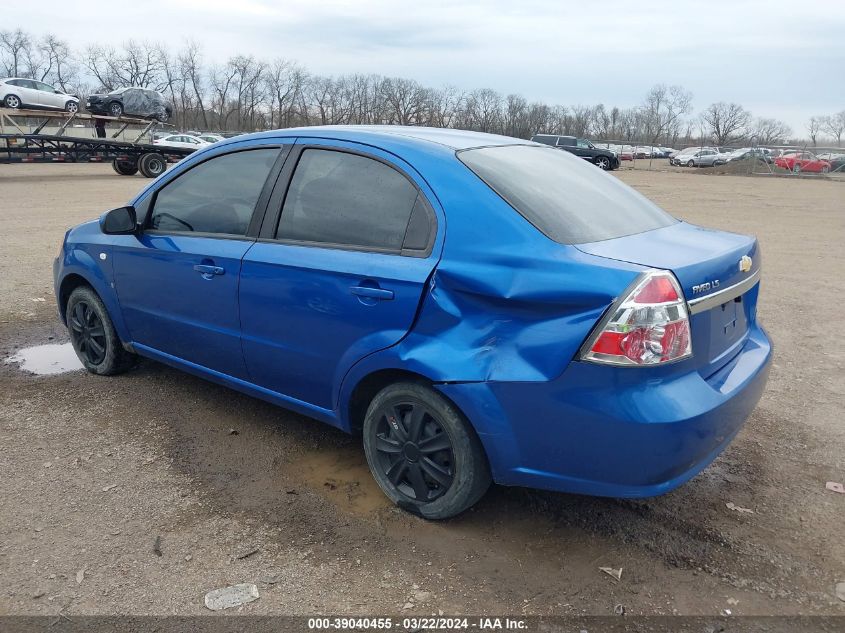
[{"x": 648, "y": 326}]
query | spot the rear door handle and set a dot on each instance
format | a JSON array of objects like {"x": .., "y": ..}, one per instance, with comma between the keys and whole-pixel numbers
[
  {"x": 208, "y": 271},
  {"x": 373, "y": 293}
]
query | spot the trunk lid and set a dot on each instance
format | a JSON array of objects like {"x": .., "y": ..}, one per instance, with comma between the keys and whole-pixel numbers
[{"x": 707, "y": 264}]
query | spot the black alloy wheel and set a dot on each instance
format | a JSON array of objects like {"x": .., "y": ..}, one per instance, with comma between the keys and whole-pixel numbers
[
  {"x": 414, "y": 450},
  {"x": 93, "y": 336},
  {"x": 87, "y": 333},
  {"x": 423, "y": 452}
]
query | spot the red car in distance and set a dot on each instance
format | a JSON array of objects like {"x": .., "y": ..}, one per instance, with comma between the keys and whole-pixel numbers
[{"x": 802, "y": 161}]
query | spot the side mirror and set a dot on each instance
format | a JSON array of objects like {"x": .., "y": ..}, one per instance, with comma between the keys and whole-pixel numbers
[{"x": 120, "y": 221}]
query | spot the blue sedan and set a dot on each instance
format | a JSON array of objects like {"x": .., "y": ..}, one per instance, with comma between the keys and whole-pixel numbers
[{"x": 477, "y": 308}]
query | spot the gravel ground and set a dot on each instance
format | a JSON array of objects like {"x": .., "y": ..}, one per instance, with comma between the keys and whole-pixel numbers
[{"x": 138, "y": 494}]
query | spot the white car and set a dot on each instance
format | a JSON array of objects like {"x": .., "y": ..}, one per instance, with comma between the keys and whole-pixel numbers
[
  {"x": 17, "y": 92},
  {"x": 210, "y": 138},
  {"x": 182, "y": 140}
]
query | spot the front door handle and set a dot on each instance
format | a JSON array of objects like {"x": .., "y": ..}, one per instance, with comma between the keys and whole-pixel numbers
[
  {"x": 208, "y": 271},
  {"x": 372, "y": 293}
]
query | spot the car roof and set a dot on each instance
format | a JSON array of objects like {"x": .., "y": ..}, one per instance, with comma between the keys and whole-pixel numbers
[{"x": 398, "y": 135}]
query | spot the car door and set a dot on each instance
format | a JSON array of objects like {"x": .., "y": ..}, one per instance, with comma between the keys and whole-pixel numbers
[
  {"x": 583, "y": 149},
  {"x": 177, "y": 281},
  {"x": 339, "y": 270},
  {"x": 28, "y": 93},
  {"x": 47, "y": 96}
]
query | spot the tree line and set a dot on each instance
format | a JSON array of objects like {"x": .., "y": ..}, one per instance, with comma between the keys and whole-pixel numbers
[{"x": 247, "y": 93}]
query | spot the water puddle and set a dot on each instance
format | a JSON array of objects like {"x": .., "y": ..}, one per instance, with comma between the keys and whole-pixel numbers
[
  {"x": 46, "y": 360},
  {"x": 344, "y": 477}
]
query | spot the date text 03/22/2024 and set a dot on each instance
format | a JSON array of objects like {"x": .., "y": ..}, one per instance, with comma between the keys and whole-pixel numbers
[{"x": 418, "y": 623}]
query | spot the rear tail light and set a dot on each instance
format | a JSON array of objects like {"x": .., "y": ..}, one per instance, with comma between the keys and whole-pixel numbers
[{"x": 647, "y": 326}]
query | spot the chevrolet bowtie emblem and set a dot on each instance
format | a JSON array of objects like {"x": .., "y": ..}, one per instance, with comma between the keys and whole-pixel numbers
[{"x": 745, "y": 264}]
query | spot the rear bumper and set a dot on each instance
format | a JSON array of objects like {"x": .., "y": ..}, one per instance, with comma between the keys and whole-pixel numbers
[{"x": 615, "y": 432}]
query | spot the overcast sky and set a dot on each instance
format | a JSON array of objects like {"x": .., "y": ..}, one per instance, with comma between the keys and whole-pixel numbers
[{"x": 781, "y": 59}]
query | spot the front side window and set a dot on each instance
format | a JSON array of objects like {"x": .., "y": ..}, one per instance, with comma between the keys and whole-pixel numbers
[
  {"x": 564, "y": 197},
  {"x": 217, "y": 196},
  {"x": 345, "y": 199}
]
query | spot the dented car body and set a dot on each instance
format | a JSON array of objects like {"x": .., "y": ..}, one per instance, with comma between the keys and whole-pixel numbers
[{"x": 550, "y": 303}]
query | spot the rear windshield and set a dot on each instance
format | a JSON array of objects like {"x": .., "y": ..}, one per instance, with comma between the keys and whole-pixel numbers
[{"x": 568, "y": 199}]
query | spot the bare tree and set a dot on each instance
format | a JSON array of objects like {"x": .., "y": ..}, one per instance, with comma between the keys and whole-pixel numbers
[
  {"x": 770, "y": 131},
  {"x": 515, "y": 121},
  {"x": 15, "y": 50},
  {"x": 814, "y": 126},
  {"x": 726, "y": 122},
  {"x": 60, "y": 68},
  {"x": 835, "y": 126},
  {"x": 443, "y": 106},
  {"x": 405, "y": 100},
  {"x": 284, "y": 81},
  {"x": 664, "y": 108},
  {"x": 139, "y": 64}
]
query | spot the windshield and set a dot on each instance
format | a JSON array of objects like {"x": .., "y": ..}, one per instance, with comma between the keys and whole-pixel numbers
[{"x": 569, "y": 200}]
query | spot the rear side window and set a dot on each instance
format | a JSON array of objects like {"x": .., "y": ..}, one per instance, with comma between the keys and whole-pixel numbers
[
  {"x": 348, "y": 200},
  {"x": 568, "y": 199},
  {"x": 544, "y": 139},
  {"x": 217, "y": 196}
]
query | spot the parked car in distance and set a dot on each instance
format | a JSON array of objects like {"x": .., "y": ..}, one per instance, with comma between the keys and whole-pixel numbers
[
  {"x": 182, "y": 140},
  {"x": 700, "y": 158},
  {"x": 17, "y": 92},
  {"x": 135, "y": 102},
  {"x": 798, "y": 162},
  {"x": 836, "y": 160},
  {"x": 210, "y": 138},
  {"x": 602, "y": 158},
  {"x": 626, "y": 153},
  {"x": 339, "y": 271},
  {"x": 678, "y": 157},
  {"x": 745, "y": 153}
]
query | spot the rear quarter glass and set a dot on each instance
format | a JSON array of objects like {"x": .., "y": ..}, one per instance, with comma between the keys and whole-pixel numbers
[{"x": 567, "y": 199}]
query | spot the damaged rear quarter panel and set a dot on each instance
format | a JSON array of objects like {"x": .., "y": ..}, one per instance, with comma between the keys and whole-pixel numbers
[{"x": 505, "y": 302}]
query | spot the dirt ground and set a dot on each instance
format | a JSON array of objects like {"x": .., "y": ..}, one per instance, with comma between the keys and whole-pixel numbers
[{"x": 96, "y": 474}]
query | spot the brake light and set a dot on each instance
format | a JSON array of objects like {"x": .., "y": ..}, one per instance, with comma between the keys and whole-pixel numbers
[{"x": 648, "y": 326}]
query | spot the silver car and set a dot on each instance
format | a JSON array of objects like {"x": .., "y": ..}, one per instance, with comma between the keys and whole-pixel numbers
[
  {"x": 705, "y": 157},
  {"x": 17, "y": 92}
]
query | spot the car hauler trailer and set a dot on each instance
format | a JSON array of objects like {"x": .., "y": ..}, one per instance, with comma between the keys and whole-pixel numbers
[{"x": 21, "y": 143}]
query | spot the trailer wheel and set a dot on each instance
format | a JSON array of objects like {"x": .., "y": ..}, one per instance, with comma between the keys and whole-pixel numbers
[
  {"x": 152, "y": 165},
  {"x": 125, "y": 167}
]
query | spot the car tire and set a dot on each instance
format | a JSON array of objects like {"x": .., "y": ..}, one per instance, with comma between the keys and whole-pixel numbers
[
  {"x": 152, "y": 165},
  {"x": 602, "y": 162},
  {"x": 796, "y": 168},
  {"x": 93, "y": 336},
  {"x": 162, "y": 117},
  {"x": 825, "y": 169},
  {"x": 690, "y": 163},
  {"x": 436, "y": 468},
  {"x": 125, "y": 167},
  {"x": 115, "y": 109},
  {"x": 13, "y": 102},
  {"x": 72, "y": 107}
]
